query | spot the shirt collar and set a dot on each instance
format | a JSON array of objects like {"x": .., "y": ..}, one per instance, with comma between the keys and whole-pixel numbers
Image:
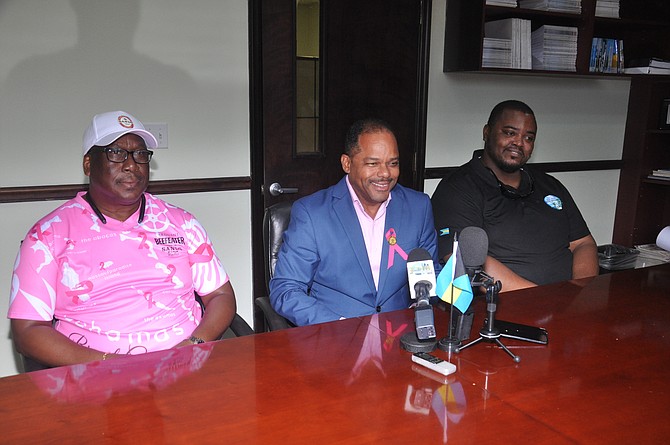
[{"x": 357, "y": 201}]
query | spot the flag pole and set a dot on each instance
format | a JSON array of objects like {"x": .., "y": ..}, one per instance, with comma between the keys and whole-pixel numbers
[{"x": 450, "y": 343}]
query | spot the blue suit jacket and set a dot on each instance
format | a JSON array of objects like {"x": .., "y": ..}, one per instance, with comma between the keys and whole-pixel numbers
[{"x": 323, "y": 272}]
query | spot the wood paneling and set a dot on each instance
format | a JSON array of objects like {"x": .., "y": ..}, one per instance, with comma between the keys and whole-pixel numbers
[{"x": 167, "y": 187}]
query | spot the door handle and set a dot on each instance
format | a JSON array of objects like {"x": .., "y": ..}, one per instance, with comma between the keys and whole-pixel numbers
[{"x": 276, "y": 189}]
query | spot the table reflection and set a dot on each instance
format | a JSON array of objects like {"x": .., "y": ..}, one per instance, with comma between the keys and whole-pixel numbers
[
  {"x": 96, "y": 382},
  {"x": 446, "y": 400}
]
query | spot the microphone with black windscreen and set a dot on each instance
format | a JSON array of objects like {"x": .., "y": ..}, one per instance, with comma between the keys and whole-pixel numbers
[
  {"x": 421, "y": 279},
  {"x": 474, "y": 246}
]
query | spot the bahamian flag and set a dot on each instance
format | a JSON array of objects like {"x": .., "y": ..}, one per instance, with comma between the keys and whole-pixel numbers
[{"x": 453, "y": 283}]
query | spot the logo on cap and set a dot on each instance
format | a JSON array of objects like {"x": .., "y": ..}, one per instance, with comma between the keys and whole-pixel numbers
[{"x": 125, "y": 122}]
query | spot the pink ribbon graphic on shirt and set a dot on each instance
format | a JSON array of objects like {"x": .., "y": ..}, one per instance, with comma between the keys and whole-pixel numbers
[
  {"x": 203, "y": 254},
  {"x": 80, "y": 289},
  {"x": 143, "y": 241},
  {"x": 173, "y": 270},
  {"x": 150, "y": 298},
  {"x": 394, "y": 247},
  {"x": 39, "y": 234}
]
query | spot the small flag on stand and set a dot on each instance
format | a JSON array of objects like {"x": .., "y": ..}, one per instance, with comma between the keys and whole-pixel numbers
[{"x": 453, "y": 283}]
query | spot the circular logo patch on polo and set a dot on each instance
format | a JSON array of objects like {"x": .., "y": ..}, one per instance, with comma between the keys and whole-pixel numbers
[
  {"x": 554, "y": 202},
  {"x": 125, "y": 122}
]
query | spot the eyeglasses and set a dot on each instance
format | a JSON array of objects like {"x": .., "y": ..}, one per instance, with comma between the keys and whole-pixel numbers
[
  {"x": 118, "y": 155},
  {"x": 511, "y": 192}
]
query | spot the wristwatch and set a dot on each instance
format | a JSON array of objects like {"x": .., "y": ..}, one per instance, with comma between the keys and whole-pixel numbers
[{"x": 195, "y": 340}]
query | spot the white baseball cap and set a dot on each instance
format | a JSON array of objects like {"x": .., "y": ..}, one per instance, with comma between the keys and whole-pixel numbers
[{"x": 105, "y": 128}]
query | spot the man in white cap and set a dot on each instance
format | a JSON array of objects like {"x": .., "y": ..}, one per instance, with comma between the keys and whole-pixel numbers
[{"x": 116, "y": 270}]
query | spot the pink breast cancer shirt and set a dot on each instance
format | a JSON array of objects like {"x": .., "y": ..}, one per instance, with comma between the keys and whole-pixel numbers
[{"x": 117, "y": 287}]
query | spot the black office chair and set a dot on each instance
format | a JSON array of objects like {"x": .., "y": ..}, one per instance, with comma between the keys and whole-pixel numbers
[
  {"x": 275, "y": 222},
  {"x": 238, "y": 327},
  {"x": 30, "y": 365}
]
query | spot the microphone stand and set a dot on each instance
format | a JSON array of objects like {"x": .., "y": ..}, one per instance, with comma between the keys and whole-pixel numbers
[
  {"x": 489, "y": 332},
  {"x": 411, "y": 341}
]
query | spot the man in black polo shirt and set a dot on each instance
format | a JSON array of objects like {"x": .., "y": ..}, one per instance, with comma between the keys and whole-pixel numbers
[{"x": 536, "y": 233}]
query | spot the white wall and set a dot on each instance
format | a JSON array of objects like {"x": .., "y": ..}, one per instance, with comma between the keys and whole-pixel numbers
[
  {"x": 182, "y": 63},
  {"x": 186, "y": 63},
  {"x": 578, "y": 120}
]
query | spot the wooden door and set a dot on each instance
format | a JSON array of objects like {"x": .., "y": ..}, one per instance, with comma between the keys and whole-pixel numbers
[{"x": 374, "y": 63}]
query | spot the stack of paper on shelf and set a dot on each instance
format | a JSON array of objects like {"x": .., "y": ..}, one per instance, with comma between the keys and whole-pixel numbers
[
  {"x": 517, "y": 31},
  {"x": 510, "y": 3},
  {"x": 497, "y": 53},
  {"x": 607, "y": 8},
  {"x": 554, "y": 48},
  {"x": 661, "y": 173},
  {"x": 648, "y": 66},
  {"x": 571, "y": 6}
]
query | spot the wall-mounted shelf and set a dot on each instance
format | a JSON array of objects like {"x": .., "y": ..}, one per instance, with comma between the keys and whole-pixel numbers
[{"x": 644, "y": 27}]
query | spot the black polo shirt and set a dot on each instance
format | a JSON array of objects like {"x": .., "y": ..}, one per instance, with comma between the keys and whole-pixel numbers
[{"x": 530, "y": 235}]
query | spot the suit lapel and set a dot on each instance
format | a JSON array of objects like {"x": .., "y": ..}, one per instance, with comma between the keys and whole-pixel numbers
[
  {"x": 344, "y": 209},
  {"x": 393, "y": 218}
]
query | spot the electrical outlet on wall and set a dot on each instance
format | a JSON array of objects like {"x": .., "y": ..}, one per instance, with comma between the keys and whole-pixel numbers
[{"x": 160, "y": 132}]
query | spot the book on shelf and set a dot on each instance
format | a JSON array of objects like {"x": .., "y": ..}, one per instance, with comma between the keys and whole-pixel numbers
[
  {"x": 646, "y": 70},
  {"x": 570, "y": 6},
  {"x": 651, "y": 65},
  {"x": 607, "y": 56},
  {"x": 607, "y": 8},
  {"x": 659, "y": 177},
  {"x": 497, "y": 53},
  {"x": 517, "y": 31},
  {"x": 508, "y": 3},
  {"x": 554, "y": 48},
  {"x": 665, "y": 173},
  {"x": 654, "y": 62}
]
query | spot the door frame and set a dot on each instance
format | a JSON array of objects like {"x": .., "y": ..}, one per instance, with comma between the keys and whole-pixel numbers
[{"x": 257, "y": 140}]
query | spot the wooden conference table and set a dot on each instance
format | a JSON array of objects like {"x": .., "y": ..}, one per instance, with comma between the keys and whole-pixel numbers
[{"x": 603, "y": 378}]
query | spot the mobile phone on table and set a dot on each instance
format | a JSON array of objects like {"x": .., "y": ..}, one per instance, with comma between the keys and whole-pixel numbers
[{"x": 522, "y": 332}]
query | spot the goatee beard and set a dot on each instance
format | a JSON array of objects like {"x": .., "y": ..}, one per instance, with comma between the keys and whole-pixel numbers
[{"x": 507, "y": 168}]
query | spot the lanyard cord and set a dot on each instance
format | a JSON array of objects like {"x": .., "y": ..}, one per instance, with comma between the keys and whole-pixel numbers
[{"x": 99, "y": 214}]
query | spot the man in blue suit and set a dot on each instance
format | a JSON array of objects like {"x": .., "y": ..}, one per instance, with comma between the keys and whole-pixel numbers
[{"x": 345, "y": 251}]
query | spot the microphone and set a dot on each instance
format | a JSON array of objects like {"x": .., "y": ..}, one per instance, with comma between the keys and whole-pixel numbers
[
  {"x": 474, "y": 246},
  {"x": 421, "y": 278}
]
